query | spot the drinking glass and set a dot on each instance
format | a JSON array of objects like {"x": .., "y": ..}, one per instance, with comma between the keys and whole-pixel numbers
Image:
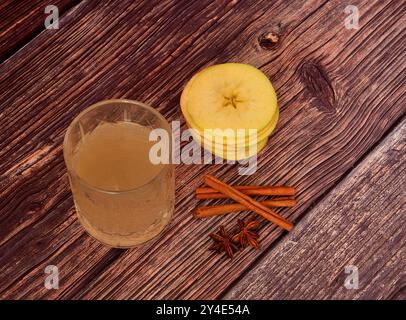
[{"x": 122, "y": 198}]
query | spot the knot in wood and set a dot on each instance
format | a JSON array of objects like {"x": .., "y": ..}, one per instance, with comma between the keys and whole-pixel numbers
[
  {"x": 269, "y": 40},
  {"x": 318, "y": 85}
]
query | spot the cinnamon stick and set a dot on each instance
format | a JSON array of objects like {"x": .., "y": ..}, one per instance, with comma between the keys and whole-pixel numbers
[
  {"x": 248, "y": 202},
  {"x": 210, "y": 193},
  {"x": 209, "y": 211},
  {"x": 211, "y": 190}
]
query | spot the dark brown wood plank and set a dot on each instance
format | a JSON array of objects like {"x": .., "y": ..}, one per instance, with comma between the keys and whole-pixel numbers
[
  {"x": 21, "y": 20},
  {"x": 320, "y": 136},
  {"x": 360, "y": 223}
]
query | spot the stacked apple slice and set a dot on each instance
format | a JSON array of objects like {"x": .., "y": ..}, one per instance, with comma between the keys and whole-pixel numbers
[{"x": 223, "y": 102}]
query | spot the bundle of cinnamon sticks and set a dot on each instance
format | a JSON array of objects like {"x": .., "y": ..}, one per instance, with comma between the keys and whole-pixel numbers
[{"x": 283, "y": 197}]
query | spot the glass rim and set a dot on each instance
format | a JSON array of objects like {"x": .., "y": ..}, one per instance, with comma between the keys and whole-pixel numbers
[{"x": 92, "y": 107}]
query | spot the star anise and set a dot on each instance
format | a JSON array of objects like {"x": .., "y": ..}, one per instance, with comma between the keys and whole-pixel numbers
[
  {"x": 246, "y": 234},
  {"x": 223, "y": 243}
]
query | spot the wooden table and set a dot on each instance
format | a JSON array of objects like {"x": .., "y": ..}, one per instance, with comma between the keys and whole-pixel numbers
[{"x": 341, "y": 140}]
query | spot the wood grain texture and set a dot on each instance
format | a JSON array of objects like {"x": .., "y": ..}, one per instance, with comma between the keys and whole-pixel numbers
[
  {"x": 339, "y": 91},
  {"x": 362, "y": 222},
  {"x": 22, "y": 20}
]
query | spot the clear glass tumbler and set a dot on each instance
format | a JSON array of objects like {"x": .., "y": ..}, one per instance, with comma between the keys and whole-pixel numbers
[{"x": 122, "y": 198}]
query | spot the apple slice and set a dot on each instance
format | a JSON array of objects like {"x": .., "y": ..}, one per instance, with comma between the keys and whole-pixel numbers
[{"x": 229, "y": 96}]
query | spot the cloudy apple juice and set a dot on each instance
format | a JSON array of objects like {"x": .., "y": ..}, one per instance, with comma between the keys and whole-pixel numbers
[{"x": 121, "y": 197}]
